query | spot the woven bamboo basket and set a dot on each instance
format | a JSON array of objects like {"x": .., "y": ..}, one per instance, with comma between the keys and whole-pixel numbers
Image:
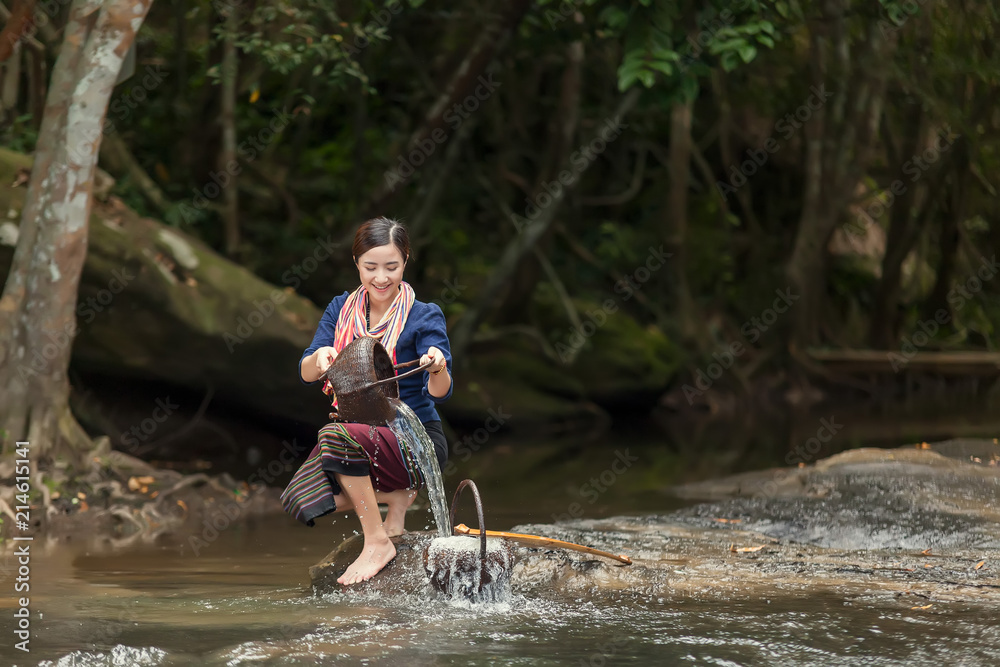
[{"x": 364, "y": 379}]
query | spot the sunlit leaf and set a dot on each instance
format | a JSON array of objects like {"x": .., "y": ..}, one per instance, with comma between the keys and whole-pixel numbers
[{"x": 747, "y": 52}]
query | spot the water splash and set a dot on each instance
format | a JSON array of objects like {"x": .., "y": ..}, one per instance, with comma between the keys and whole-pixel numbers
[
  {"x": 455, "y": 569},
  {"x": 408, "y": 428}
]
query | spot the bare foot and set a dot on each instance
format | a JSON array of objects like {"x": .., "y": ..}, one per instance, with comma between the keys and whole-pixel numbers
[{"x": 374, "y": 556}]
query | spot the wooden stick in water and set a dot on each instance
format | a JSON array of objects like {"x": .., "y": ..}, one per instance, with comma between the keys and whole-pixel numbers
[{"x": 539, "y": 541}]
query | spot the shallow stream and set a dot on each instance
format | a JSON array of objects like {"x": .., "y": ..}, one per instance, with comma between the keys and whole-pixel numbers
[{"x": 806, "y": 597}]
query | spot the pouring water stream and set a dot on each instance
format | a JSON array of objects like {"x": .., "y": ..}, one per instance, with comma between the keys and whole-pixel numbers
[{"x": 408, "y": 429}]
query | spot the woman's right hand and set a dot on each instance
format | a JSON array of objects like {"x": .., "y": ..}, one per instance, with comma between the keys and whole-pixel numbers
[{"x": 325, "y": 357}]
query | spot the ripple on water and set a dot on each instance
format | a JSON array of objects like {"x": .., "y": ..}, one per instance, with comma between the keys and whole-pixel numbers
[
  {"x": 119, "y": 656},
  {"x": 549, "y": 627}
]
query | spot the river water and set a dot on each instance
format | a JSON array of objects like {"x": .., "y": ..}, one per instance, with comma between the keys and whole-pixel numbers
[
  {"x": 246, "y": 598},
  {"x": 244, "y": 602}
]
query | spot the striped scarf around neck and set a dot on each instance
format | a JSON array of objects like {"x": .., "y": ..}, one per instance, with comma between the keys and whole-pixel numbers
[{"x": 352, "y": 322}]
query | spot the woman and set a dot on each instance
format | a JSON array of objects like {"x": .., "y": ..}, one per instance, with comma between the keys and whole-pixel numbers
[{"x": 355, "y": 466}]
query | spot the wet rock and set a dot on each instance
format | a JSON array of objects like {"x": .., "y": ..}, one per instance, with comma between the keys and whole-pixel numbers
[
  {"x": 423, "y": 560},
  {"x": 910, "y": 526},
  {"x": 903, "y": 498},
  {"x": 898, "y": 522},
  {"x": 403, "y": 574},
  {"x": 731, "y": 563}
]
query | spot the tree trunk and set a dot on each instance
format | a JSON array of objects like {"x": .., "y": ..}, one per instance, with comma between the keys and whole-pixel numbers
[
  {"x": 463, "y": 82},
  {"x": 912, "y": 215},
  {"x": 16, "y": 28},
  {"x": 20, "y": 51},
  {"x": 180, "y": 106},
  {"x": 165, "y": 321},
  {"x": 839, "y": 138},
  {"x": 562, "y": 130},
  {"x": 950, "y": 234},
  {"x": 37, "y": 309},
  {"x": 899, "y": 241},
  {"x": 227, "y": 156},
  {"x": 528, "y": 235},
  {"x": 36, "y": 82},
  {"x": 675, "y": 224},
  {"x": 10, "y": 81},
  {"x": 807, "y": 277}
]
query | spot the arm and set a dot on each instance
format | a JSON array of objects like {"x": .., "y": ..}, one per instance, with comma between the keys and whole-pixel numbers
[
  {"x": 320, "y": 353},
  {"x": 432, "y": 343},
  {"x": 312, "y": 367}
]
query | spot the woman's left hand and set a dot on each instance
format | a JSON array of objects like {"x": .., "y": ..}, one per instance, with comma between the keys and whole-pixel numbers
[{"x": 437, "y": 357}]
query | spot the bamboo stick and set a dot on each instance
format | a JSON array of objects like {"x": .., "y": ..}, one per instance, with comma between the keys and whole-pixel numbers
[{"x": 539, "y": 541}]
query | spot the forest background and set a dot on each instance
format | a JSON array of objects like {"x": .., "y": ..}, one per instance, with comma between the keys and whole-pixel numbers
[{"x": 621, "y": 207}]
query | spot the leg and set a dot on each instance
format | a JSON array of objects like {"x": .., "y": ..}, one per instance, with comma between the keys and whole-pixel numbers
[
  {"x": 344, "y": 503},
  {"x": 378, "y": 550},
  {"x": 398, "y": 502}
]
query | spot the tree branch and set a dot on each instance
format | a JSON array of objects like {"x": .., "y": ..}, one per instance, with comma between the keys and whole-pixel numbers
[{"x": 630, "y": 192}]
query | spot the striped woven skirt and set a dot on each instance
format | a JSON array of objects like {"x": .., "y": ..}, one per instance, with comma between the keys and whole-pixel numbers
[{"x": 355, "y": 450}]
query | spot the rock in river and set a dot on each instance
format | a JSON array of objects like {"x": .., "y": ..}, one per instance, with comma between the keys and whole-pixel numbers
[{"x": 911, "y": 524}]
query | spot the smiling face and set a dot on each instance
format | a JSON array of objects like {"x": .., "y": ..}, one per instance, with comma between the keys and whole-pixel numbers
[{"x": 381, "y": 271}]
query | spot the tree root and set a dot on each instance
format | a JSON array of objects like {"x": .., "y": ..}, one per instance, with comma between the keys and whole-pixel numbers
[
  {"x": 191, "y": 480},
  {"x": 125, "y": 515}
]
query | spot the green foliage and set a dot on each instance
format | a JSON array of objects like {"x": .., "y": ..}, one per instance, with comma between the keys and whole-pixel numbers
[
  {"x": 311, "y": 36},
  {"x": 662, "y": 45},
  {"x": 358, "y": 80},
  {"x": 20, "y": 135}
]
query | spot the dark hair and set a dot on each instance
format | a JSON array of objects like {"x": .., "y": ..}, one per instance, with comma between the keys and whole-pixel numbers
[{"x": 378, "y": 232}]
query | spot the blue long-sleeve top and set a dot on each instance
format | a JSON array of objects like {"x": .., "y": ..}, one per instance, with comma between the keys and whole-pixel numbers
[{"x": 425, "y": 328}]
